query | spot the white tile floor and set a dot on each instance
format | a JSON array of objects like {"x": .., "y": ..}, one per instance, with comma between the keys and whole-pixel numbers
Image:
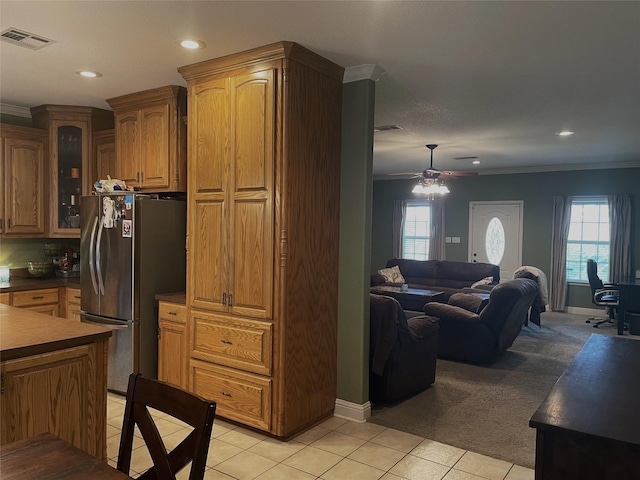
[{"x": 335, "y": 450}]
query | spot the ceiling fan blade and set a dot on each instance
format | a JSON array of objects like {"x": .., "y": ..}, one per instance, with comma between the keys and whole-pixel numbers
[
  {"x": 460, "y": 174},
  {"x": 404, "y": 174}
]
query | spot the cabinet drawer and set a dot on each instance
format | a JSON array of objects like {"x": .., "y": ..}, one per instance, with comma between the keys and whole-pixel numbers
[
  {"x": 239, "y": 396},
  {"x": 73, "y": 296},
  {"x": 243, "y": 344},
  {"x": 5, "y": 298},
  {"x": 35, "y": 297},
  {"x": 173, "y": 312}
]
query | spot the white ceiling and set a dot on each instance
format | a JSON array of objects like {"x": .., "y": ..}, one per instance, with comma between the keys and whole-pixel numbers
[{"x": 495, "y": 80}]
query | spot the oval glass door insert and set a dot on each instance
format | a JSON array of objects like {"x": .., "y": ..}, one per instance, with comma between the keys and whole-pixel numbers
[{"x": 494, "y": 242}]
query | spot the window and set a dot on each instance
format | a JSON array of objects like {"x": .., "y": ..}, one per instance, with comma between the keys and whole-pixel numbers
[
  {"x": 588, "y": 238},
  {"x": 415, "y": 235}
]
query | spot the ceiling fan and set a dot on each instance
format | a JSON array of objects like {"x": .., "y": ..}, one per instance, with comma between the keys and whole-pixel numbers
[{"x": 432, "y": 174}]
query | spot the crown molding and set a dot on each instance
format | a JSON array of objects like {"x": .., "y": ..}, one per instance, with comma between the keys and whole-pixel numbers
[
  {"x": 362, "y": 72},
  {"x": 15, "y": 110}
]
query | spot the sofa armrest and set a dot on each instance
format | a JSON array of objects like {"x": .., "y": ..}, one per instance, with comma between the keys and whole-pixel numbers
[
  {"x": 449, "y": 312},
  {"x": 472, "y": 302},
  {"x": 422, "y": 326}
]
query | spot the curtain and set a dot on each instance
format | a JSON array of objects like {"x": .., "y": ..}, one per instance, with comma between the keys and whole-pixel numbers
[
  {"x": 559, "y": 234},
  {"x": 399, "y": 211},
  {"x": 620, "y": 228},
  {"x": 437, "y": 237}
]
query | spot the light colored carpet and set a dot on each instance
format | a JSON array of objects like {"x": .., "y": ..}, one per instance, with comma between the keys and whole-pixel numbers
[{"x": 486, "y": 409}]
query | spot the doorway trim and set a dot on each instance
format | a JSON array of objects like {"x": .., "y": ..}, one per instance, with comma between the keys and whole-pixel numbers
[{"x": 510, "y": 203}]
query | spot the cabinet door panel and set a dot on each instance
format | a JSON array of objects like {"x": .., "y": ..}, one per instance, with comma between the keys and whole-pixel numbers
[
  {"x": 252, "y": 259},
  {"x": 34, "y": 384},
  {"x": 24, "y": 184},
  {"x": 208, "y": 255},
  {"x": 253, "y": 123},
  {"x": 172, "y": 354},
  {"x": 154, "y": 137},
  {"x": 128, "y": 147},
  {"x": 210, "y": 137}
]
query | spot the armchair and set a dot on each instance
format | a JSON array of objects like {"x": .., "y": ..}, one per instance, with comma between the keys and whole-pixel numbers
[
  {"x": 479, "y": 337},
  {"x": 402, "y": 353}
]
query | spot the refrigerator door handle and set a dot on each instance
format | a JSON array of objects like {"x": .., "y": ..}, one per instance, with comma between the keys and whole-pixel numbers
[
  {"x": 104, "y": 322},
  {"x": 92, "y": 255},
  {"x": 99, "y": 259}
]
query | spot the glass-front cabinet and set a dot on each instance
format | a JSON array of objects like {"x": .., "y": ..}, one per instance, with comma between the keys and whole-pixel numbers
[{"x": 70, "y": 161}]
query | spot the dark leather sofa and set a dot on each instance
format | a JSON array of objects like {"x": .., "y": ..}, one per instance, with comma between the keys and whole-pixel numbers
[
  {"x": 474, "y": 337},
  {"x": 402, "y": 353},
  {"x": 442, "y": 275}
]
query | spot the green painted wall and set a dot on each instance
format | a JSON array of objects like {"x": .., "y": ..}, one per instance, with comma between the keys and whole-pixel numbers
[
  {"x": 15, "y": 120},
  {"x": 535, "y": 189},
  {"x": 355, "y": 240}
]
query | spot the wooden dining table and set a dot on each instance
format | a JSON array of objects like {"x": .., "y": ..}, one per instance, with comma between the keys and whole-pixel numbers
[{"x": 47, "y": 457}]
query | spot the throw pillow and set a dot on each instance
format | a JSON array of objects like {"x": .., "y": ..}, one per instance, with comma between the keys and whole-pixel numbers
[
  {"x": 392, "y": 275},
  {"x": 484, "y": 281}
]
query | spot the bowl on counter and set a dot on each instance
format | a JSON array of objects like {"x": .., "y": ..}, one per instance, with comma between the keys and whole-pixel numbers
[
  {"x": 40, "y": 269},
  {"x": 52, "y": 249}
]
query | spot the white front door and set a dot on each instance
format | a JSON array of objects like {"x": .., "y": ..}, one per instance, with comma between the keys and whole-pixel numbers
[{"x": 495, "y": 235}]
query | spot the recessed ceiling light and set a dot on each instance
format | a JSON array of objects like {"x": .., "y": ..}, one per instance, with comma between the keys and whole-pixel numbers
[
  {"x": 192, "y": 44},
  {"x": 476, "y": 162},
  {"x": 89, "y": 73},
  {"x": 565, "y": 133}
]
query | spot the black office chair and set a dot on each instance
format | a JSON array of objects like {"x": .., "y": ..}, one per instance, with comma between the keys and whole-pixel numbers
[{"x": 603, "y": 295}]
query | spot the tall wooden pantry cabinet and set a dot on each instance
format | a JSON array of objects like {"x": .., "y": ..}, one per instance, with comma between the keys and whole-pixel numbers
[{"x": 262, "y": 239}]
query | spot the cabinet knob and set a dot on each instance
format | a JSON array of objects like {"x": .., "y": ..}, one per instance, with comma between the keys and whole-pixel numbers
[
  {"x": 226, "y": 394},
  {"x": 172, "y": 313},
  {"x": 226, "y": 342}
]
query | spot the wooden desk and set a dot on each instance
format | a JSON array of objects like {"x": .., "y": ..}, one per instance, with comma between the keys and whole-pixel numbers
[
  {"x": 46, "y": 456},
  {"x": 588, "y": 427},
  {"x": 629, "y": 300},
  {"x": 410, "y": 299}
]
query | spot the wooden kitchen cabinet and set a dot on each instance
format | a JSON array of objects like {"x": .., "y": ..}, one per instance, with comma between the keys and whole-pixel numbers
[
  {"x": 70, "y": 153},
  {"x": 150, "y": 136},
  {"x": 53, "y": 380},
  {"x": 42, "y": 301},
  {"x": 23, "y": 176},
  {"x": 5, "y": 298},
  {"x": 263, "y": 229},
  {"x": 104, "y": 155},
  {"x": 72, "y": 304},
  {"x": 173, "y": 354}
]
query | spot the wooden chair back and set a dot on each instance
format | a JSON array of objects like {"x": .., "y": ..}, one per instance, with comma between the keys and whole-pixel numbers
[{"x": 144, "y": 393}]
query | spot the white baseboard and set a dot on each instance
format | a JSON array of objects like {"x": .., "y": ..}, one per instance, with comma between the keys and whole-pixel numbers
[{"x": 352, "y": 411}]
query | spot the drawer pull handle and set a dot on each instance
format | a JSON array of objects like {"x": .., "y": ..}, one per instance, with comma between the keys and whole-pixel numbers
[
  {"x": 172, "y": 313},
  {"x": 225, "y": 393},
  {"x": 37, "y": 297},
  {"x": 226, "y": 342},
  {"x": 77, "y": 296}
]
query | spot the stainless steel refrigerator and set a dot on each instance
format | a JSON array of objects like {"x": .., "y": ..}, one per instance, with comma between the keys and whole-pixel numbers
[{"x": 132, "y": 247}]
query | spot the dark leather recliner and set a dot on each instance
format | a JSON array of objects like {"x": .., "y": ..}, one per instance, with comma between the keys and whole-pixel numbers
[
  {"x": 402, "y": 353},
  {"x": 479, "y": 337}
]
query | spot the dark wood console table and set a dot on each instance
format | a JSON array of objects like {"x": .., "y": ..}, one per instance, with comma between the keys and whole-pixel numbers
[
  {"x": 410, "y": 299},
  {"x": 588, "y": 427},
  {"x": 629, "y": 301}
]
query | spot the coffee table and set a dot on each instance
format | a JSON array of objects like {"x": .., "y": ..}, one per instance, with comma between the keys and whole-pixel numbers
[{"x": 411, "y": 299}]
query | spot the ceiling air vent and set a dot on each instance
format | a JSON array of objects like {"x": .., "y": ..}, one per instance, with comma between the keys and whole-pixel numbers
[
  {"x": 384, "y": 128},
  {"x": 25, "y": 39}
]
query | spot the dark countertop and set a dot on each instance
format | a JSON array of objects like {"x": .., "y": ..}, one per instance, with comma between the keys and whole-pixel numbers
[
  {"x": 21, "y": 284},
  {"x": 26, "y": 333},
  {"x": 176, "y": 297}
]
